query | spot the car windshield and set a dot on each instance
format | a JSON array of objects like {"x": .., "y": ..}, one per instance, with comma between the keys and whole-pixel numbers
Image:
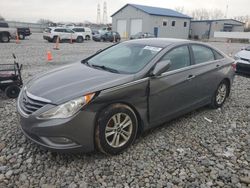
[
  {"x": 247, "y": 48},
  {"x": 124, "y": 58}
]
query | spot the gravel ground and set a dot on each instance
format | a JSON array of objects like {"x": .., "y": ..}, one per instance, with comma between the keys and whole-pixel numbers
[{"x": 187, "y": 152}]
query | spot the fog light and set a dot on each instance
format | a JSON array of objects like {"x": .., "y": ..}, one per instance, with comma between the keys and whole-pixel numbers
[
  {"x": 57, "y": 141},
  {"x": 60, "y": 140}
]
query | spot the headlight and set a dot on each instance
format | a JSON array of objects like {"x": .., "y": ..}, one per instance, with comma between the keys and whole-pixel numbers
[
  {"x": 67, "y": 109},
  {"x": 236, "y": 57}
]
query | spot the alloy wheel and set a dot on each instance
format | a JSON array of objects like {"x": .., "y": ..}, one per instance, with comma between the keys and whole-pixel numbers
[
  {"x": 221, "y": 94},
  {"x": 118, "y": 130}
]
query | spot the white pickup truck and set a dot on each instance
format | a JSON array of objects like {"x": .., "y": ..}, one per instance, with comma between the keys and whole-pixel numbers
[{"x": 7, "y": 33}]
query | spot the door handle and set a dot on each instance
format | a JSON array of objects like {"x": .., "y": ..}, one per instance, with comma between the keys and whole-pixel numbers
[{"x": 190, "y": 77}]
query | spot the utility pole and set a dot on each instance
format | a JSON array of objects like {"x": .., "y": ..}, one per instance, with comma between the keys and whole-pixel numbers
[
  {"x": 98, "y": 20},
  {"x": 105, "y": 16}
]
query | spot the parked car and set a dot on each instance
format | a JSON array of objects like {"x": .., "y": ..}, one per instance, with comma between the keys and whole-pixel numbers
[
  {"x": 110, "y": 36},
  {"x": 242, "y": 63},
  {"x": 95, "y": 32},
  {"x": 23, "y": 32},
  {"x": 85, "y": 31},
  {"x": 105, "y": 100},
  {"x": 64, "y": 34},
  {"x": 142, "y": 35},
  {"x": 6, "y": 33}
]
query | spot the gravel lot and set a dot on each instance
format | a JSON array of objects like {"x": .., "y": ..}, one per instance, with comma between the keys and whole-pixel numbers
[{"x": 187, "y": 152}]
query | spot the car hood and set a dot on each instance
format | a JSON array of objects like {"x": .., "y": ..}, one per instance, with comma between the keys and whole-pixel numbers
[
  {"x": 69, "y": 82},
  {"x": 244, "y": 54}
]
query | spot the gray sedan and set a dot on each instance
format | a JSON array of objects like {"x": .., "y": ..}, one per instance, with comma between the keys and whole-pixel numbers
[{"x": 106, "y": 100}]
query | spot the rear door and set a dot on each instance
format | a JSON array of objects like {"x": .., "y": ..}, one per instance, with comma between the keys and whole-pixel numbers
[
  {"x": 207, "y": 68},
  {"x": 69, "y": 34},
  {"x": 172, "y": 92}
]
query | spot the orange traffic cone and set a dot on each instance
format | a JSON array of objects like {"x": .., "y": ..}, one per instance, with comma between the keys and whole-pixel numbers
[
  {"x": 17, "y": 38},
  {"x": 57, "y": 44},
  {"x": 49, "y": 56}
]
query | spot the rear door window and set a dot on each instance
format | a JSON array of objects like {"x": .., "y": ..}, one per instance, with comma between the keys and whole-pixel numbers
[
  {"x": 218, "y": 55},
  {"x": 179, "y": 58},
  {"x": 202, "y": 54}
]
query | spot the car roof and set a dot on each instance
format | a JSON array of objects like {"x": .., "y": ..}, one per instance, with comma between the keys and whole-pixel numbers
[{"x": 159, "y": 42}]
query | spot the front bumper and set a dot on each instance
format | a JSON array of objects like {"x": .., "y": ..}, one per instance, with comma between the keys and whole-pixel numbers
[
  {"x": 243, "y": 67},
  {"x": 79, "y": 130}
]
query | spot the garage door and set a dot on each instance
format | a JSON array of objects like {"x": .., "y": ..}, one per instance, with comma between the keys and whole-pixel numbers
[
  {"x": 136, "y": 26},
  {"x": 122, "y": 27}
]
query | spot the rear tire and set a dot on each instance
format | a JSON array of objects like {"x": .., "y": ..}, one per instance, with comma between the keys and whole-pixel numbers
[
  {"x": 116, "y": 129},
  {"x": 220, "y": 95},
  {"x": 79, "y": 40},
  {"x": 87, "y": 37},
  {"x": 12, "y": 91},
  {"x": 4, "y": 37}
]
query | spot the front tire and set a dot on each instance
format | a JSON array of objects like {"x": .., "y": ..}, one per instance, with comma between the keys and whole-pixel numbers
[
  {"x": 116, "y": 129},
  {"x": 220, "y": 95}
]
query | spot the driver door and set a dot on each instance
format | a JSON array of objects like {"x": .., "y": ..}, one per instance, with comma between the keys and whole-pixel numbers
[{"x": 171, "y": 93}]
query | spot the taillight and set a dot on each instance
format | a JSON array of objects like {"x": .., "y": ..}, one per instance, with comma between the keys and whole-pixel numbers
[{"x": 234, "y": 66}]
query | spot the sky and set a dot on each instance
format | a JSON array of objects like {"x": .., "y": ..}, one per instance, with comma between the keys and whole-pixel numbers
[{"x": 81, "y": 10}]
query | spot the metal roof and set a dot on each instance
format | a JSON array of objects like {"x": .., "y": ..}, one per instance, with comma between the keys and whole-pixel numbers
[
  {"x": 157, "y": 11},
  {"x": 217, "y": 20}
]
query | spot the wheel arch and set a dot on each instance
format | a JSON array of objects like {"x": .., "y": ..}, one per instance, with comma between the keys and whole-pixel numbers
[
  {"x": 5, "y": 32},
  {"x": 138, "y": 116},
  {"x": 227, "y": 80}
]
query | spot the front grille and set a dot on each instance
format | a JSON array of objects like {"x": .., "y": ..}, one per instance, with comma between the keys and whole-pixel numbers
[{"x": 30, "y": 105}]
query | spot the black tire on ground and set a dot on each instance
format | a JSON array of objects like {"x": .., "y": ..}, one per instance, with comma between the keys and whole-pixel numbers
[
  {"x": 221, "y": 94},
  {"x": 55, "y": 38},
  {"x": 12, "y": 91},
  {"x": 21, "y": 36},
  {"x": 79, "y": 40},
  {"x": 87, "y": 37},
  {"x": 102, "y": 40},
  {"x": 4, "y": 37},
  {"x": 116, "y": 129},
  {"x": 117, "y": 40}
]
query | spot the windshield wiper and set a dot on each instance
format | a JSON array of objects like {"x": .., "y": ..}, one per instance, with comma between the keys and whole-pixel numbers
[{"x": 106, "y": 68}]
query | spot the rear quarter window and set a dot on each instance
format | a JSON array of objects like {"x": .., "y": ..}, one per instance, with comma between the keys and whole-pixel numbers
[
  {"x": 218, "y": 55},
  {"x": 202, "y": 54}
]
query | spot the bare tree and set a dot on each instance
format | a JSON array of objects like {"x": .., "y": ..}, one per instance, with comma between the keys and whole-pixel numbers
[
  {"x": 243, "y": 19},
  {"x": 180, "y": 9},
  {"x": 205, "y": 14},
  {"x": 216, "y": 14},
  {"x": 200, "y": 14},
  {"x": 44, "y": 21}
]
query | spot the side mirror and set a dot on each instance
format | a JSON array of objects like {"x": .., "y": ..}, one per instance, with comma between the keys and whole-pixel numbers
[{"x": 161, "y": 67}]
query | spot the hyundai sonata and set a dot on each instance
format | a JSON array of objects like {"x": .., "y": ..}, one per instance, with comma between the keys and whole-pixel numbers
[{"x": 104, "y": 101}]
